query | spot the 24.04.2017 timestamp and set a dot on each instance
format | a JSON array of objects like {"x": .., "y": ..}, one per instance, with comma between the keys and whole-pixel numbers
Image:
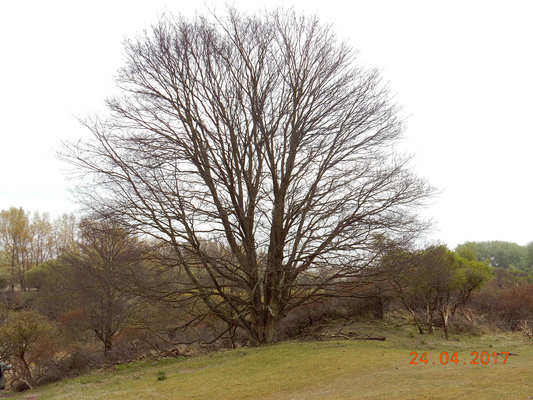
[{"x": 483, "y": 358}]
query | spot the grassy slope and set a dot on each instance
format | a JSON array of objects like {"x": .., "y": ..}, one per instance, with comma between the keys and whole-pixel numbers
[{"x": 320, "y": 370}]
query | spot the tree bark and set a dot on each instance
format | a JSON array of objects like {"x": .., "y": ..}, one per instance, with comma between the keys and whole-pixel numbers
[
  {"x": 444, "y": 313},
  {"x": 429, "y": 319}
]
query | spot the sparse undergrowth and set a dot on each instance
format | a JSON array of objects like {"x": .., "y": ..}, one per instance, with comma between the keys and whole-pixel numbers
[{"x": 327, "y": 369}]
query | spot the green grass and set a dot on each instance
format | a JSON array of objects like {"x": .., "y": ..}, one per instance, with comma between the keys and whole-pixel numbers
[{"x": 320, "y": 370}]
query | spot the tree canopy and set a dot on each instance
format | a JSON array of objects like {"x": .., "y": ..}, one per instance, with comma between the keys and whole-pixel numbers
[
  {"x": 260, "y": 134},
  {"x": 501, "y": 254},
  {"x": 433, "y": 279}
]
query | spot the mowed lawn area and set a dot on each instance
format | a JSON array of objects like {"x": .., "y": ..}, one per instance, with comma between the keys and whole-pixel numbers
[{"x": 321, "y": 370}]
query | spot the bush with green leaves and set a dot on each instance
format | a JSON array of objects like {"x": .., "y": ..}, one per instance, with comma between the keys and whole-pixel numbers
[{"x": 30, "y": 342}]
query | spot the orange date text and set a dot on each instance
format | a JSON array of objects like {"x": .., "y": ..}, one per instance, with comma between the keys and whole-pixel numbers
[{"x": 483, "y": 358}]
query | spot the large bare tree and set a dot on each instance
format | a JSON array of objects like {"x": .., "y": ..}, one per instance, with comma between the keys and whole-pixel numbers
[{"x": 262, "y": 135}]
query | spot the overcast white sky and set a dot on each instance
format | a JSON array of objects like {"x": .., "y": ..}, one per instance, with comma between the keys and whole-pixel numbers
[{"x": 462, "y": 70}]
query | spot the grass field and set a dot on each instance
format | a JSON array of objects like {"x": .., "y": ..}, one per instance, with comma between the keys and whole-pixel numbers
[{"x": 321, "y": 370}]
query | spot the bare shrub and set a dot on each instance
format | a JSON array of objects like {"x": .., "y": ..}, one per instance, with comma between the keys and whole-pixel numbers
[
  {"x": 506, "y": 304},
  {"x": 310, "y": 315},
  {"x": 465, "y": 323}
]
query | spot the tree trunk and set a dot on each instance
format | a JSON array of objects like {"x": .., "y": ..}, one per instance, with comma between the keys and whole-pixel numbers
[
  {"x": 378, "y": 309},
  {"x": 429, "y": 318},
  {"x": 108, "y": 346},
  {"x": 413, "y": 313},
  {"x": 418, "y": 325},
  {"x": 12, "y": 286},
  {"x": 106, "y": 339},
  {"x": 270, "y": 331},
  {"x": 263, "y": 329},
  {"x": 444, "y": 316},
  {"x": 26, "y": 371}
]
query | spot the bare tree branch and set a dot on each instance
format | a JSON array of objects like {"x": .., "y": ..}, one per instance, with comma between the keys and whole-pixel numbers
[{"x": 262, "y": 135}]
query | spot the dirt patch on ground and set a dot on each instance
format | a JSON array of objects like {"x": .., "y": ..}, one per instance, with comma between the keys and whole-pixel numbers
[{"x": 27, "y": 397}]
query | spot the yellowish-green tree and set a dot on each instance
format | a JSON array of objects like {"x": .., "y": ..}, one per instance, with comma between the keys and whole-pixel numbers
[
  {"x": 41, "y": 247},
  {"x": 30, "y": 341},
  {"x": 15, "y": 241},
  {"x": 433, "y": 280}
]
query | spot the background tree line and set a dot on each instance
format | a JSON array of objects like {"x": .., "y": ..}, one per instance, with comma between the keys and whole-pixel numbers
[
  {"x": 27, "y": 240},
  {"x": 505, "y": 255},
  {"x": 70, "y": 282},
  {"x": 102, "y": 294}
]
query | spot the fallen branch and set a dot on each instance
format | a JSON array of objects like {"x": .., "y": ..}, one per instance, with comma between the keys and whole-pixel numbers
[{"x": 347, "y": 336}]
